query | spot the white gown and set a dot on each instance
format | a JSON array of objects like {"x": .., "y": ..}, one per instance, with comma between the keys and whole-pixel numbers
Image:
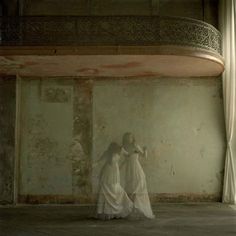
[
  {"x": 113, "y": 202},
  {"x": 135, "y": 185}
]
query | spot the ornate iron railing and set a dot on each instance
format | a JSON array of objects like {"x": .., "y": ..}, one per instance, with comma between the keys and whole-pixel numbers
[{"x": 108, "y": 31}]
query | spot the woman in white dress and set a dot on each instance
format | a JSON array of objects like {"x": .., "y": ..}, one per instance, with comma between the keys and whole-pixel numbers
[
  {"x": 113, "y": 202},
  {"x": 135, "y": 180}
]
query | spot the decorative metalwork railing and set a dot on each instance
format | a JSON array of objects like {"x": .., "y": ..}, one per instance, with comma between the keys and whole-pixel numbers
[{"x": 108, "y": 31}]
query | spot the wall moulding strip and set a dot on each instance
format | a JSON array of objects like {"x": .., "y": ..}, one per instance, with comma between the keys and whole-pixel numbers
[{"x": 17, "y": 139}]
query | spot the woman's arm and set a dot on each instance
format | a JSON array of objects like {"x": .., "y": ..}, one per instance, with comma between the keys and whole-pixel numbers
[
  {"x": 123, "y": 154},
  {"x": 142, "y": 151}
]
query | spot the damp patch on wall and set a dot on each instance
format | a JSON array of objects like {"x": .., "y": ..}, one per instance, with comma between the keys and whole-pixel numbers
[
  {"x": 55, "y": 139},
  {"x": 82, "y": 139},
  {"x": 180, "y": 121},
  {"x": 56, "y": 95},
  {"x": 45, "y": 136}
]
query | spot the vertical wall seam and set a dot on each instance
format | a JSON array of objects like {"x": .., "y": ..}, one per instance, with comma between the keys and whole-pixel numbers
[{"x": 17, "y": 139}]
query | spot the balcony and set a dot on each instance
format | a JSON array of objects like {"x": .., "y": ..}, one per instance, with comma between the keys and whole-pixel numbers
[{"x": 109, "y": 46}]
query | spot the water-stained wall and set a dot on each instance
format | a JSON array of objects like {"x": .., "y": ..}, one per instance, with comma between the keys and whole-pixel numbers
[
  {"x": 7, "y": 138},
  {"x": 66, "y": 125},
  {"x": 55, "y": 141},
  {"x": 179, "y": 120}
]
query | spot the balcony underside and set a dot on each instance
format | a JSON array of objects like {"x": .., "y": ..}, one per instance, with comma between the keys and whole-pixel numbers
[{"x": 110, "y": 46}]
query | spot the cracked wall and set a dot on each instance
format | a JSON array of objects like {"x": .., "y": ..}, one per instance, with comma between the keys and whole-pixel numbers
[
  {"x": 67, "y": 124},
  {"x": 55, "y": 140},
  {"x": 179, "y": 120}
]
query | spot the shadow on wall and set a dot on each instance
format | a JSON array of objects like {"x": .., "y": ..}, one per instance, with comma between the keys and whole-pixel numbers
[{"x": 7, "y": 138}]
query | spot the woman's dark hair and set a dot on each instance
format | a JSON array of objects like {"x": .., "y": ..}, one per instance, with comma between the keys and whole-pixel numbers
[
  {"x": 113, "y": 148},
  {"x": 126, "y": 138}
]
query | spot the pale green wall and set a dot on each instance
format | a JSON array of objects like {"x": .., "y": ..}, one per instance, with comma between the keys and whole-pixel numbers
[
  {"x": 55, "y": 137},
  {"x": 46, "y": 135},
  {"x": 179, "y": 120}
]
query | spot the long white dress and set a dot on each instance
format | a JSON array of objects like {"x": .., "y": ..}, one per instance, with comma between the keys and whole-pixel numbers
[
  {"x": 113, "y": 202},
  {"x": 135, "y": 184}
]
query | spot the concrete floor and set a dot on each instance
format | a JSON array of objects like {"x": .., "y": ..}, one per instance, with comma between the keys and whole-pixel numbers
[{"x": 171, "y": 219}]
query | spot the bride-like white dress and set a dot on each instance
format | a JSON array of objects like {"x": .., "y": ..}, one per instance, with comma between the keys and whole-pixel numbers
[
  {"x": 113, "y": 202},
  {"x": 135, "y": 183}
]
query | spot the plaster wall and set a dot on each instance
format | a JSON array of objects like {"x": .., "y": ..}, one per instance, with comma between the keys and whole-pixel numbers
[
  {"x": 180, "y": 121},
  {"x": 64, "y": 133}
]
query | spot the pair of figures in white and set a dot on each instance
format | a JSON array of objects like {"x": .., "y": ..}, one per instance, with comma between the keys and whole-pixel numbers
[{"x": 114, "y": 201}]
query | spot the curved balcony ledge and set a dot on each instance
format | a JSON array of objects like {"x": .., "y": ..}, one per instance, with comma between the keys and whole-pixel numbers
[{"x": 137, "y": 45}]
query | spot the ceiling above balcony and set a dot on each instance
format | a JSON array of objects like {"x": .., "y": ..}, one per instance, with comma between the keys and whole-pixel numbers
[{"x": 109, "y": 46}]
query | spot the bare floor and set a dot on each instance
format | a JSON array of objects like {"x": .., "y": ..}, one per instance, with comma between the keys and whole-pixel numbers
[{"x": 171, "y": 219}]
